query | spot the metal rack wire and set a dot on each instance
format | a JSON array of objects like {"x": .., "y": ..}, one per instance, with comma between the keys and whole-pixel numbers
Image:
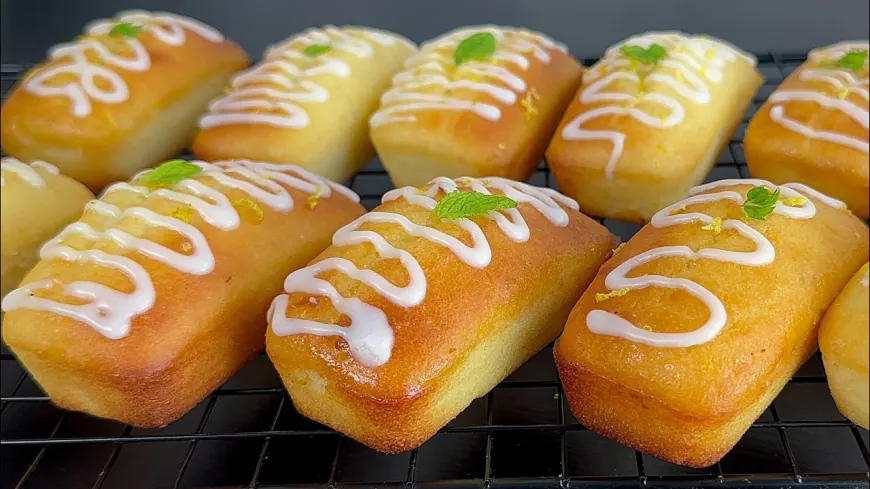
[{"x": 522, "y": 434}]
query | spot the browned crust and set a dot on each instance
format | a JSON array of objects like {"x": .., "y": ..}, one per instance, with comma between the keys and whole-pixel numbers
[
  {"x": 648, "y": 425},
  {"x": 713, "y": 390},
  {"x": 657, "y": 165},
  {"x": 34, "y": 127},
  {"x": 510, "y": 147},
  {"x": 463, "y": 309},
  {"x": 338, "y": 128},
  {"x": 782, "y": 155},
  {"x": 200, "y": 330}
]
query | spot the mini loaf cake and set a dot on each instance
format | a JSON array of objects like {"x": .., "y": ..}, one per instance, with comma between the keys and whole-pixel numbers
[
  {"x": 843, "y": 339},
  {"x": 308, "y": 101},
  {"x": 649, "y": 122},
  {"x": 123, "y": 97},
  {"x": 690, "y": 331},
  {"x": 814, "y": 127},
  {"x": 427, "y": 302},
  {"x": 37, "y": 202},
  {"x": 158, "y": 294},
  {"x": 476, "y": 101}
]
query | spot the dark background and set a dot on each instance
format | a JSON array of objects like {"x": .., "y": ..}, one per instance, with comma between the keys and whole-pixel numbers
[{"x": 29, "y": 27}]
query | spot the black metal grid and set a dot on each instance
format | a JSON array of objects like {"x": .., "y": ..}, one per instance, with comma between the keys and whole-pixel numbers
[{"x": 522, "y": 434}]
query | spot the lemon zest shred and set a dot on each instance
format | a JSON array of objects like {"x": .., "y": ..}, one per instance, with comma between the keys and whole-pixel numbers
[
  {"x": 611, "y": 294},
  {"x": 183, "y": 214},
  {"x": 314, "y": 199},
  {"x": 528, "y": 103},
  {"x": 715, "y": 226},
  {"x": 618, "y": 248},
  {"x": 677, "y": 210},
  {"x": 186, "y": 247},
  {"x": 794, "y": 201},
  {"x": 250, "y": 204}
]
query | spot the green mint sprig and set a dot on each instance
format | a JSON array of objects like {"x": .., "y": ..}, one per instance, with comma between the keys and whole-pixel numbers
[
  {"x": 760, "y": 202},
  {"x": 315, "y": 50},
  {"x": 851, "y": 61},
  {"x": 648, "y": 56},
  {"x": 476, "y": 46},
  {"x": 169, "y": 172},
  {"x": 459, "y": 204},
  {"x": 125, "y": 29}
]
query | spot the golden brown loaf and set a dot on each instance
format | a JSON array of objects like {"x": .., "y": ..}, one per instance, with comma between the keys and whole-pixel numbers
[
  {"x": 407, "y": 318},
  {"x": 813, "y": 128},
  {"x": 843, "y": 339},
  {"x": 308, "y": 102},
  {"x": 123, "y": 97},
  {"x": 37, "y": 202},
  {"x": 487, "y": 116},
  {"x": 159, "y": 293},
  {"x": 689, "y": 332},
  {"x": 637, "y": 136}
]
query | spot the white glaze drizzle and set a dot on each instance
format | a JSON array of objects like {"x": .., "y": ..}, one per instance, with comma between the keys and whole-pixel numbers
[
  {"x": 166, "y": 27},
  {"x": 369, "y": 335},
  {"x": 271, "y": 92},
  {"x": 432, "y": 67},
  {"x": 692, "y": 63},
  {"x": 607, "y": 323},
  {"x": 26, "y": 171},
  {"x": 110, "y": 311},
  {"x": 842, "y": 81}
]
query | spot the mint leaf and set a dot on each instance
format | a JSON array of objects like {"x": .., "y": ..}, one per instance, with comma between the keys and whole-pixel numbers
[
  {"x": 760, "y": 202},
  {"x": 125, "y": 29},
  {"x": 648, "y": 56},
  {"x": 172, "y": 171},
  {"x": 315, "y": 50},
  {"x": 851, "y": 61},
  {"x": 475, "y": 46},
  {"x": 458, "y": 204}
]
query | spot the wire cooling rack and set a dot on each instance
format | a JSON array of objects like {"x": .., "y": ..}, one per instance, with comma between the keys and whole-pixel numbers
[{"x": 522, "y": 434}]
